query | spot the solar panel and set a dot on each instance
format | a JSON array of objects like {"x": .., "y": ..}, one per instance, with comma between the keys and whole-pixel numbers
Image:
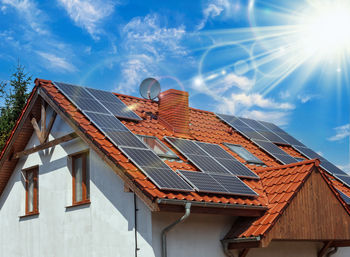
[
  {"x": 241, "y": 127},
  {"x": 281, "y": 133},
  {"x": 234, "y": 185},
  {"x": 345, "y": 197},
  {"x": 331, "y": 168},
  {"x": 72, "y": 91},
  {"x": 113, "y": 104},
  {"x": 227, "y": 160},
  {"x": 307, "y": 152},
  {"x": 105, "y": 121},
  {"x": 215, "y": 183},
  {"x": 185, "y": 146},
  {"x": 237, "y": 168},
  {"x": 121, "y": 138},
  {"x": 155, "y": 169},
  {"x": 344, "y": 178},
  {"x": 207, "y": 164},
  {"x": 202, "y": 182},
  {"x": 275, "y": 151},
  {"x": 90, "y": 104}
]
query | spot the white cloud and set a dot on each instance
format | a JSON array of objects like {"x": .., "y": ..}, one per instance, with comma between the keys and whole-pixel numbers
[
  {"x": 57, "y": 62},
  {"x": 226, "y": 9},
  {"x": 242, "y": 82},
  {"x": 341, "y": 132},
  {"x": 29, "y": 12},
  {"x": 276, "y": 117},
  {"x": 254, "y": 99},
  {"x": 88, "y": 14},
  {"x": 213, "y": 9},
  {"x": 147, "y": 45}
]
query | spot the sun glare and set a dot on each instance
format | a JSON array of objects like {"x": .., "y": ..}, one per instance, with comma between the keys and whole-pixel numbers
[{"x": 326, "y": 28}]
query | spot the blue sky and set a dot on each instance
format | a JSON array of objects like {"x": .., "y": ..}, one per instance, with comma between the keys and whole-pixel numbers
[{"x": 248, "y": 58}]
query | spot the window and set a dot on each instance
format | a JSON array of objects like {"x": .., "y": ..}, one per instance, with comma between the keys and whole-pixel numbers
[
  {"x": 80, "y": 174},
  {"x": 31, "y": 184},
  {"x": 158, "y": 147},
  {"x": 243, "y": 153}
]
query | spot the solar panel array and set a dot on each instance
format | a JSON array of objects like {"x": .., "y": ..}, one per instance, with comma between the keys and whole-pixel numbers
[
  {"x": 269, "y": 134},
  {"x": 216, "y": 183},
  {"x": 89, "y": 102},
  {"x": 211, "y": 158}
]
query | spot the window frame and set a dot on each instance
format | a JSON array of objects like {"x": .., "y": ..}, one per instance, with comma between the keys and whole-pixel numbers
[
  {"x": 170, "y": 156},
  {"x": 85, "y": 177},
  {"x": 35, "y": 171},
  {"x": 249, "y": 161}
]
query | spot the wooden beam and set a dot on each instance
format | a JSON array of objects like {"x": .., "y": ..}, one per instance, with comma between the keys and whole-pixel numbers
[
  {"x": 43, "y": 122},
  {"x": 244, "y": 252},
  {"x": 112, "y": 163},
  {"x": 44, "y": 146},
  {"x": 48, "y": 130},
  {"x": 324, "y": 249},
  {"x": 36, "y": 129}
]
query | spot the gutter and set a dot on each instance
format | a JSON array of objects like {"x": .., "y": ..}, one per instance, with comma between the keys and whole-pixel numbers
[
  {"x": 226, "y": 242},
  {"x": 210, "y": 204},
  {"x": 171, "y": 226}
]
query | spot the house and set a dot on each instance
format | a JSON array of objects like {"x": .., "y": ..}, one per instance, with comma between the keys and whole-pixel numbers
[{"x": 77, "y": 181}]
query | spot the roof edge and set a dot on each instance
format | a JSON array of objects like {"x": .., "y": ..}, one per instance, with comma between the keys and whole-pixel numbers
[{"x": 315, "y": 161}]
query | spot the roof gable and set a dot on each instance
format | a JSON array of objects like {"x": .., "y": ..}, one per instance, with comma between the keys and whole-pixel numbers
[{"x": 315, "y": 213}]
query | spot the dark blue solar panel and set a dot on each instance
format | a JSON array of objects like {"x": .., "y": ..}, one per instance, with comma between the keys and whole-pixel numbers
[
  {"x": 215, "y": 183},
  {"x": 106, "y": 121},
  {"x": 185, "y": 146},
  {"x": 227, "y": 160},
  {"x": 275, "y": 151},
  {"x": 202, "y": 182},
  {"x": 72, "y": 91},
  {"x": 113, "y": 104},
  {"x": 124, "y": 138},
  {"x": 331, "y": 168},
  {"x": 241, "y": 127},
  {"x": 207, "y": 164},
  {"x": 155, "y": 169},
  {"x": 308, "y": 152},
  {"x": 234, "y": 185}
]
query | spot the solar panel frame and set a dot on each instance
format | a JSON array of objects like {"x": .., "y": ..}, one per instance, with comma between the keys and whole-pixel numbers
[
  {"x": 234, "y": 185},
  {"x": 309, "y": 153}
]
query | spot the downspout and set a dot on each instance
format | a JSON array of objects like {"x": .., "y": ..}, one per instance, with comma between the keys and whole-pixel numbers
[
  {"x": 227, "y": 252},
  {"x": 171, "y": 226},
  {"x": 330, "y": 253},
  {"x": 135, "y": 223}
]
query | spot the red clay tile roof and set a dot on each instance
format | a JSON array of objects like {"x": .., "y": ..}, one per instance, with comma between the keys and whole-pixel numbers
[{"x": 278, "y": 183}]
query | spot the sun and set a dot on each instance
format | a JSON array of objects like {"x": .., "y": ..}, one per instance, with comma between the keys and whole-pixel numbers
[{"x": 325, "y": 27}]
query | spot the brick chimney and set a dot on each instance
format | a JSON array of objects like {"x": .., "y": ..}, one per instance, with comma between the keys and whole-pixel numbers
[{"x": 174, "y": 110}]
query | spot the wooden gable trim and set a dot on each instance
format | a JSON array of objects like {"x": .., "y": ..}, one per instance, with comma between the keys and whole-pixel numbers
[
  {"x": 314, "y": 214},
  {"x": 114, "y": 165}
]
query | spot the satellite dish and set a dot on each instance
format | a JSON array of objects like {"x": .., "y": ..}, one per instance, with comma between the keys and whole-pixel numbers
[{"x": 150, "y": 88}]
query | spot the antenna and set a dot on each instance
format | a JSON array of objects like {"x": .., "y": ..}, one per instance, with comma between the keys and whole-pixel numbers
[{"x": 150, "y": 88}]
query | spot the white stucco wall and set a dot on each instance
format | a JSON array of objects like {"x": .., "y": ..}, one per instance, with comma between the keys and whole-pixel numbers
[{"x": 106, "y": 226}]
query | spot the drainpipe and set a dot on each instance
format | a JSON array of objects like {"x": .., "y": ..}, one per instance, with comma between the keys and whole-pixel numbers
[
  {"x": 171, "y": 226},
  {"x": 330, "y": 253},
  {"x": 227, "y": 252}
]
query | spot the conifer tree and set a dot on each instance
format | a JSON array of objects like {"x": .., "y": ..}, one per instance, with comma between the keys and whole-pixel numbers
[{"x": 14, "y": 95}]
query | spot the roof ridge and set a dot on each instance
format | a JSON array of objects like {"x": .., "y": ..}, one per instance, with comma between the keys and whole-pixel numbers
[{"x": 315, "y": 161}]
